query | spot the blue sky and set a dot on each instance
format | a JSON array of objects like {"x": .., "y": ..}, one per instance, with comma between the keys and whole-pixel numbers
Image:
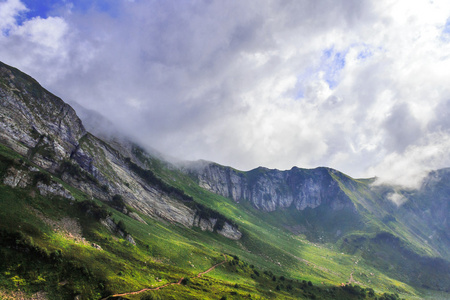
[
  {"x": 40, "y": 8},
  {"x": 46, "y": 8},
  {"x": 333, "y": 63},
  {"x": 360, "y": 86}
]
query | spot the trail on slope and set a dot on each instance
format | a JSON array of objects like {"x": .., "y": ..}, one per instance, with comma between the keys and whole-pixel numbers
[
  {"x": 352, "y": 280},
  {"x": 170, "y": 283}
]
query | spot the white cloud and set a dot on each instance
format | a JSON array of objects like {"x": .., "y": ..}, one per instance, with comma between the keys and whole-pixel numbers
[
  {"x": 397, "y": 198},
  {"x": 360, "y": 86},
  {"x": 44, "y": 33},
  {"x": 411, "y": 166},
  {"x": 9, "y": 10}
]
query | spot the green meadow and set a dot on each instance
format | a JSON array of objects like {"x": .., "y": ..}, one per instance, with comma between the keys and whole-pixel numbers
[{"x": 62, "y": 247}]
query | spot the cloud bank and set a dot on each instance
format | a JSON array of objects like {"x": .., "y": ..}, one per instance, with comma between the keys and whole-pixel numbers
[{"x": 360, "y": 86}]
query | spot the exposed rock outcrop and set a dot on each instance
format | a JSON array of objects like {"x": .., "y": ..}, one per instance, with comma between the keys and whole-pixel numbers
[
  {"x": 115, "y": 228},
  {"x": 17, "y": 178},
  {"x": 54, "y": 188},
  {"x": 41, "y": 127},
  {"x": 23, "y": 178},
  {"x": 230, "y": 232},
  {"x": 34, "y": 122},
  {"x": 205, "y": 224},
  {"x": 269, "y": 190}
]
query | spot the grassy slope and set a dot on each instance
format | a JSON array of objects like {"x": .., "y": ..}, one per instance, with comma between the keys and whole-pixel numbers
[
  {"x": 268, "y": 245},
  {"x": 36, "y": 257}
]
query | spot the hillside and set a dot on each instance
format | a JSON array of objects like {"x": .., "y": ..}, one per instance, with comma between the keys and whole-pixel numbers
[{"x": 90, "y": 218}]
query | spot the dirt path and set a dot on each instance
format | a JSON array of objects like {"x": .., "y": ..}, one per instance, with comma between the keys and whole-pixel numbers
[
  {"x": 352, "y": 280},
  {"x": 168, "y": 284},
  {"x": 213, "y": 267}
]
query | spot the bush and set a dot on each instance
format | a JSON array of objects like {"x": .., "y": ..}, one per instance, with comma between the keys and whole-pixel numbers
[
  {"x": 121, "y": 227},
  {"x": 90, "y": 207},
  {"x": 75, "y": 171},
  {"x": 117, "y": 202},
  {"x": 45, "y": 178},
  {"x": 355, "y": 290}
]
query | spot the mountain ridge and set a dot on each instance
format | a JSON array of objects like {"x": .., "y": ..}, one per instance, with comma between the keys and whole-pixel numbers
[
  {"x": 28, "y": 126},
  {"x": 318, "y": 222},
  {"x": 269, "y": 189}
]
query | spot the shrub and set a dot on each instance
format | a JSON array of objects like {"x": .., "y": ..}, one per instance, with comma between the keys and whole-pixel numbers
[
  {"x": 185, "y": 280},
  {"x": 118, "y": 202},
  {"x": 75, "y": 171},
  {"x": 90, "y": 207},
  {"x": 45, "y": 178},
  {"x": 121, "y": 227}
]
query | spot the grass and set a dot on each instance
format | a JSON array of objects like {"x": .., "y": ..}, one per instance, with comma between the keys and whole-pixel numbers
[
  {"x": 261, "y": 235},
  {"x": 166, "y": 252}
]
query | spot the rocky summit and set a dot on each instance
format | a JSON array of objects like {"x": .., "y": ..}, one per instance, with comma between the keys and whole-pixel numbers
[{"x": 269, "y": 190}]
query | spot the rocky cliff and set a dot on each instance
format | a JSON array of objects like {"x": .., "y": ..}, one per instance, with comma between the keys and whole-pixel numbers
[
  {"x": 34, "y": 122},
  {"x": 47, "y": 131},
  {"x": 269, "y": 190}
]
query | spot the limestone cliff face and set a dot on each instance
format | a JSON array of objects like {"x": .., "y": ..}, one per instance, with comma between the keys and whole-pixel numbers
[
  {"x": 41, "y": 127},
  {"x": 269, "y": 190},
  {"x": 22, "y": 178},
  {"x": 34, "y": 122}
]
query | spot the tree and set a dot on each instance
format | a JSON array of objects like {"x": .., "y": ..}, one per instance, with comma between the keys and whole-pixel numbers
[{"x": 121, "y": 227}]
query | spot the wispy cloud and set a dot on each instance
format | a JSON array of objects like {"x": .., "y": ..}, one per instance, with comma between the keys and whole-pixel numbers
[{"x": 360, "y": 86}]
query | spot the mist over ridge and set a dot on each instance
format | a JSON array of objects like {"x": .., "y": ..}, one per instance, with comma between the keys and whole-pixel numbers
[{"x": 355, "y": 86}]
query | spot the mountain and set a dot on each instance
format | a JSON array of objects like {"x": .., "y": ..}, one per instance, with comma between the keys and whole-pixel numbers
[
  {"x": 345, "y": 200},
  {"x": 48, "y": 132},
  {"x": 269, "y": 190},
  {"x": 87, "y": 217}
]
